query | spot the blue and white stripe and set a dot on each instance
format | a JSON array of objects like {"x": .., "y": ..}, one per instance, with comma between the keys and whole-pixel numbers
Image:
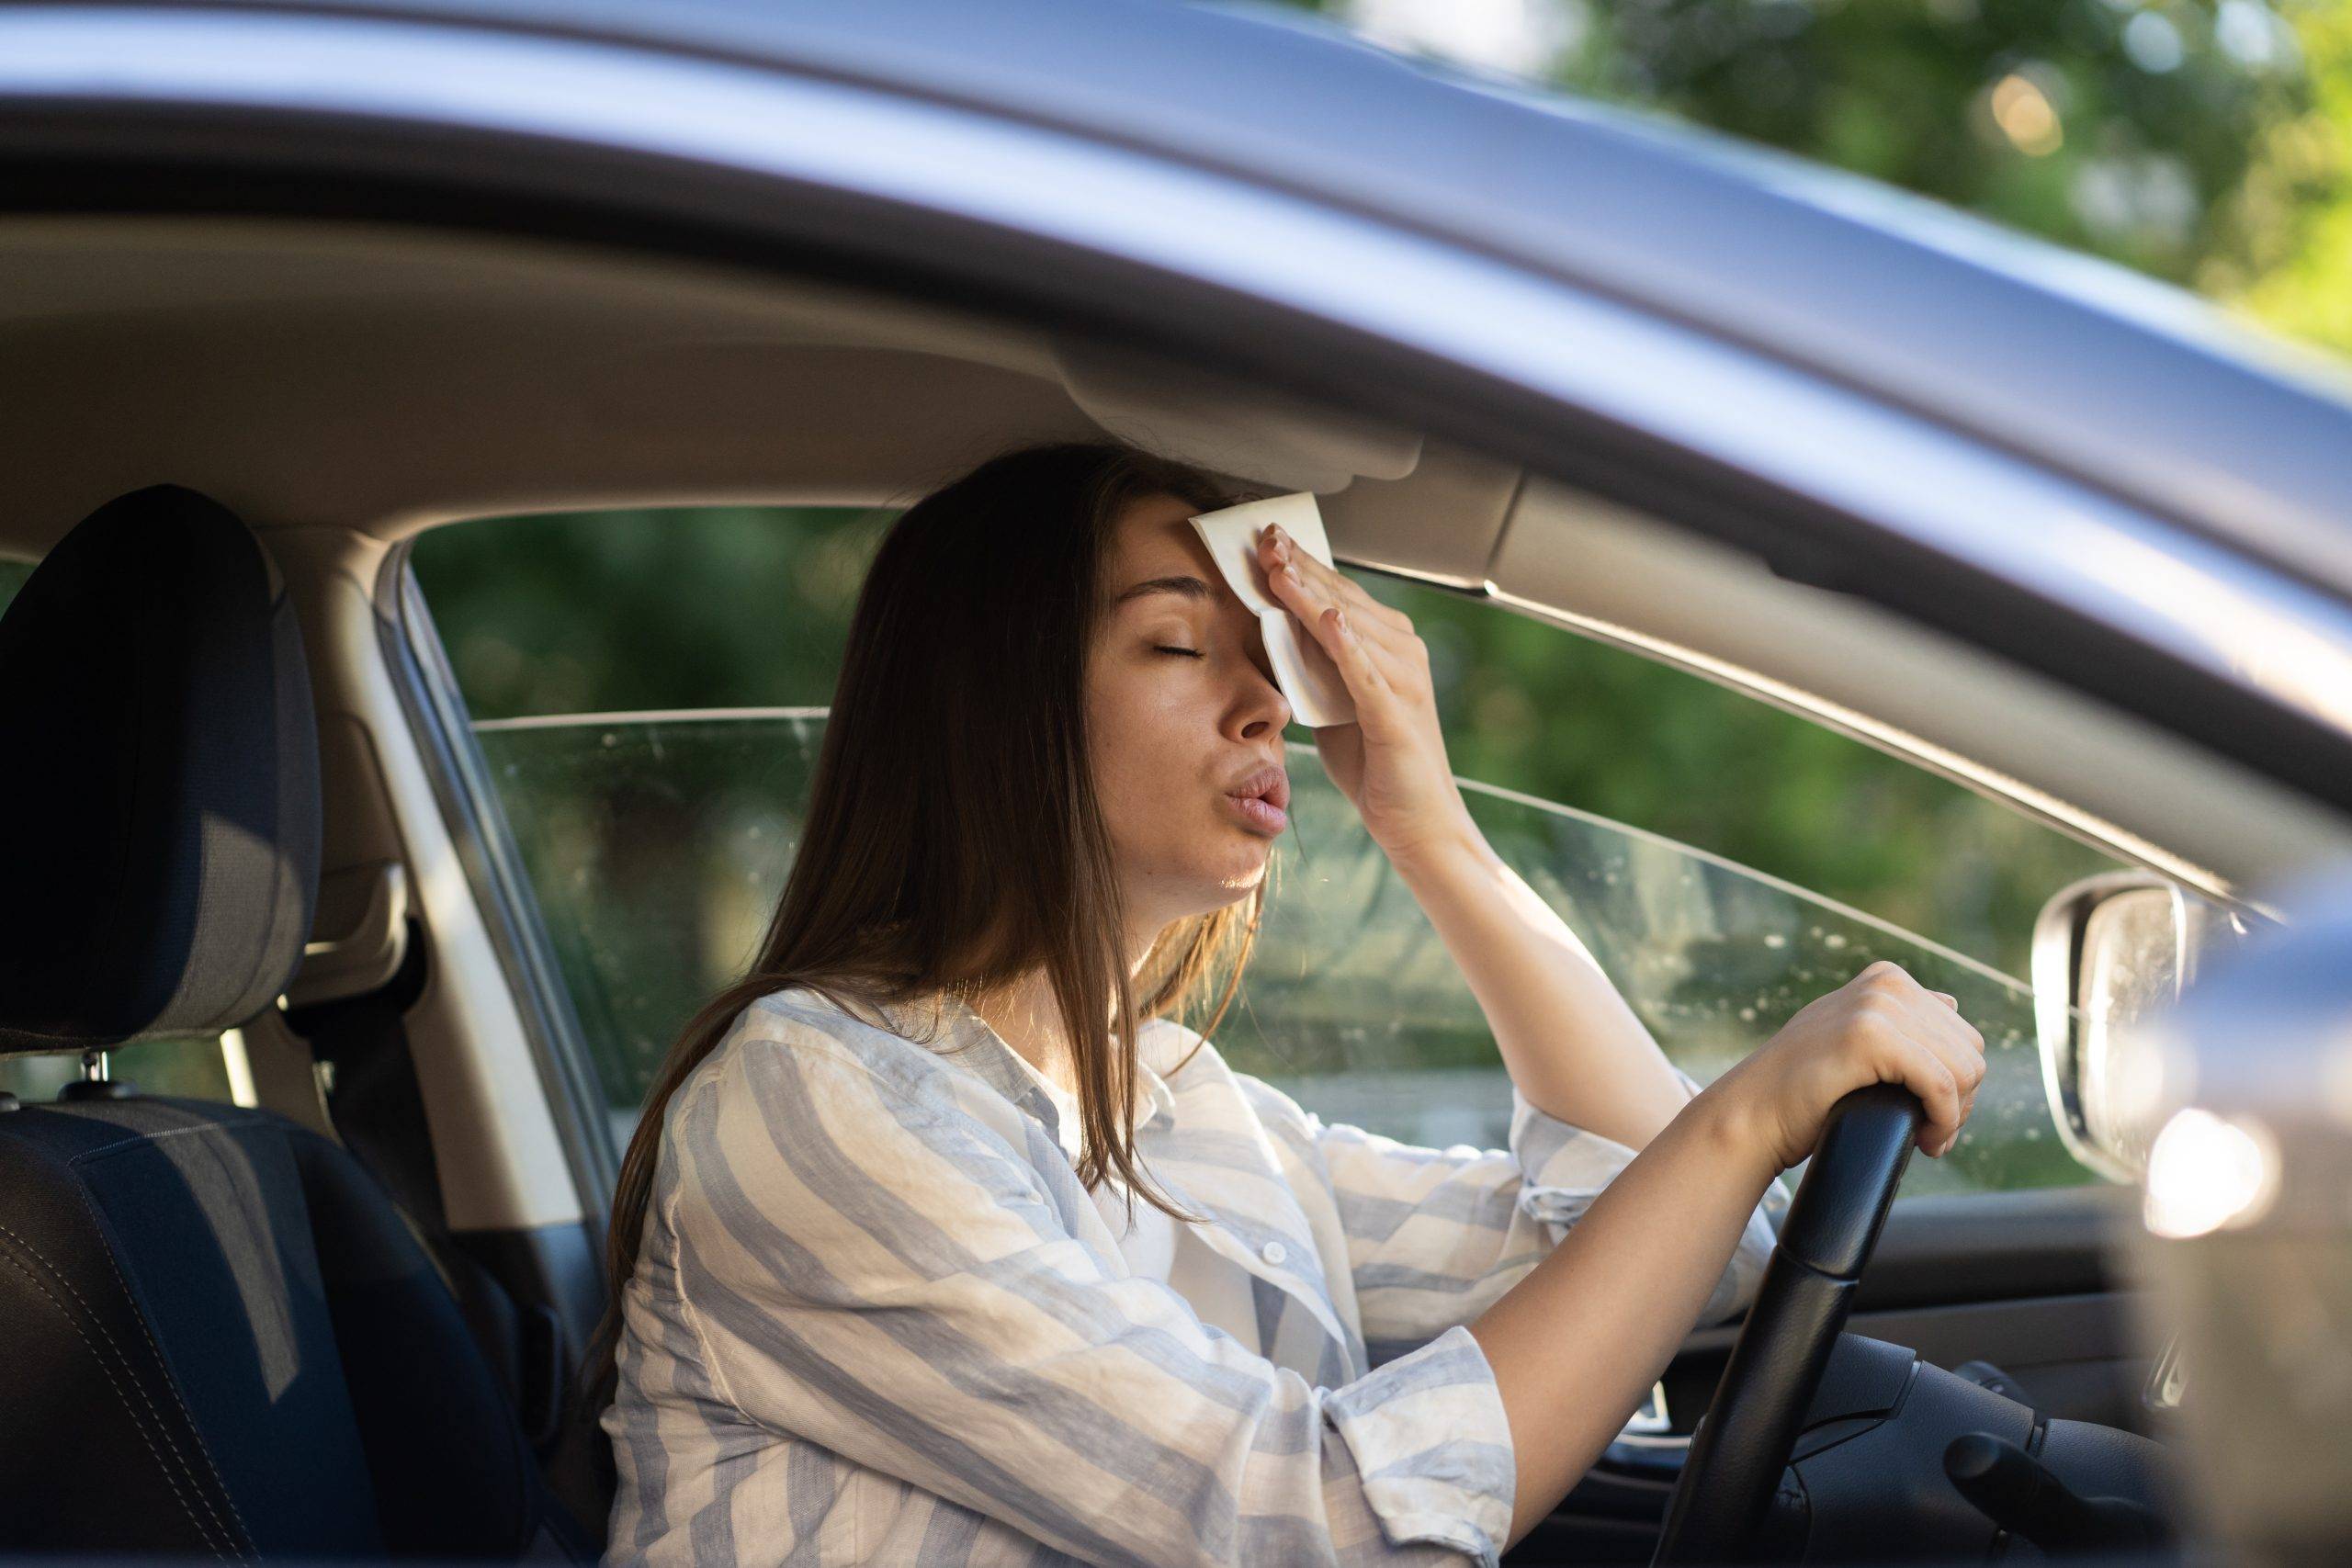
[{"x": 875, "y": 1318}]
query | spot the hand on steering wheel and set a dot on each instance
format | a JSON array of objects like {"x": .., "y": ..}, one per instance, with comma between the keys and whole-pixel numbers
[
  {"x": 1741, "y": 1447},
  {"x": 1867, "y": 1072},
  {"x": 1882, "y": 1026}
]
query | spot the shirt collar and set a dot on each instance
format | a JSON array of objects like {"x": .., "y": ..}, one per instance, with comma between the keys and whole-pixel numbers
[{"x": 990, "y": 1057}]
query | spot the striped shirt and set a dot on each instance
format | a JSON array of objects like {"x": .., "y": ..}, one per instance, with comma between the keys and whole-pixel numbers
[{"x": 876, "y": 1318}]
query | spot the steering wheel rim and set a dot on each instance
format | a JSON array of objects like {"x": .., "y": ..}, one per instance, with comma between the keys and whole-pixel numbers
[{"x": 1742, "y": 1444}]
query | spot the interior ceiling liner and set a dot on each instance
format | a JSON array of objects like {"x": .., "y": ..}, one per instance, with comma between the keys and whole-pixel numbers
[{"x": 1232, "y": 427}]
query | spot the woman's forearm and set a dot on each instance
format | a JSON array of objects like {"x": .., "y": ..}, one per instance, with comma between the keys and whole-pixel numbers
[
  {"x": 1572, "y": 1045},
  {"x": 1577, "y": 1344}
]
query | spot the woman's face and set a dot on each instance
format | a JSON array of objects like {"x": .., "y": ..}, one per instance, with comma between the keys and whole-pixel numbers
[{"x": 1184, "y": 722}]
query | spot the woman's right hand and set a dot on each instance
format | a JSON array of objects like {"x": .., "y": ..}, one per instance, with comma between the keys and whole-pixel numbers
[{"x": 1882, "y": 1026}]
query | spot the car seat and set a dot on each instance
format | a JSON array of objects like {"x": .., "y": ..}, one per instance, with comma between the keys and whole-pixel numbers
[{"x": 223, "y": 1337}]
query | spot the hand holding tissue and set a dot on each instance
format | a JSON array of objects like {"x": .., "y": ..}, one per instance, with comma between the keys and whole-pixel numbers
[{"x": 1317, "y": 696}]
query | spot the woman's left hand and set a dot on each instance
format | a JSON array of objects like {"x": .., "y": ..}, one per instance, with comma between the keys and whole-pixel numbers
[{"x": 1391, "y": 763}]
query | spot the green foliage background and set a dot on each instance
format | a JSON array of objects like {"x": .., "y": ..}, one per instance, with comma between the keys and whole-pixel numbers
[{"x": 2203, "y": 142}]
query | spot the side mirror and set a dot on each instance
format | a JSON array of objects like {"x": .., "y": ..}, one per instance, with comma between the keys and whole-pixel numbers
[{"x": 2107, "y": 951}]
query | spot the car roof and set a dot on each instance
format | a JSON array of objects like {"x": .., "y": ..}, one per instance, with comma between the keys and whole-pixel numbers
[{"x": 2130, "y": 385}]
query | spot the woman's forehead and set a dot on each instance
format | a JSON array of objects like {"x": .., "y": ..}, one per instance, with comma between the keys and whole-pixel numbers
[{"x": 1155, "y": 540}]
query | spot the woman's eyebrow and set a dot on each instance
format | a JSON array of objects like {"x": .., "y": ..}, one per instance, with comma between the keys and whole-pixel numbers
[{"x": 1186, "y": 586}]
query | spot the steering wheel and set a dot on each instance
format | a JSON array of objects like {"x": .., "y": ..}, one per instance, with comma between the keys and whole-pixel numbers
[{"x": 1743, "y": 1444}]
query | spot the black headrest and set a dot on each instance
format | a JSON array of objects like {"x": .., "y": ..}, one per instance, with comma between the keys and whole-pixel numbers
[{"x": 158, "y": 780}]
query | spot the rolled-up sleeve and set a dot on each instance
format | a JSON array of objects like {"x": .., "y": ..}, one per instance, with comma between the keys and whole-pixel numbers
[
  {"x": 1567, "y": 1166},
  {"x": 876, "y": 1268},
  {"x": 1436, "y": 1235}
]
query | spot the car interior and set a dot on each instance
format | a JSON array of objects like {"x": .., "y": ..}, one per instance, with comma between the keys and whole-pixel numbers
[{"x": 345, "y": 1316}]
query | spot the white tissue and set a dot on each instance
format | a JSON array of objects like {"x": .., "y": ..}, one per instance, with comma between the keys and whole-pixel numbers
[{"x": 1318, "y": 696}]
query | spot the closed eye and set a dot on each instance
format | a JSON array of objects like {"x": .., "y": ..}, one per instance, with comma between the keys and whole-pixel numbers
[{"x": 1187, "y": 652}]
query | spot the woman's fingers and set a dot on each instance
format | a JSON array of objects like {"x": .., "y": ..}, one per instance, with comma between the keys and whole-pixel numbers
[
  {"x": 1336, "y": 630},
  {"x": 1907, "y": 1054},
  {"x": 1960, "y": 1049},
  {"x": 1928, "y": 1075},
  {"x": 1311, "y": 592},
  {"x": 1323, "y": 587},
  {"x": 1279, "y": 550},
  {"x": 1919, "y": 1033}
]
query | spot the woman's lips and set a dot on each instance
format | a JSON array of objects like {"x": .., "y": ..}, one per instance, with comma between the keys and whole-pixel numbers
[
  {"x": 1262, "y": 797},
  {"x": 1259, "y": 812}
]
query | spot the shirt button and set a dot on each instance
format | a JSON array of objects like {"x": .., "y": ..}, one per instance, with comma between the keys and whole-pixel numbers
[{"x": 1274, "y": 1252}]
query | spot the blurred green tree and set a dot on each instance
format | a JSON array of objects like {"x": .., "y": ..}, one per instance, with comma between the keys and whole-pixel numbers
[{"x": 2184, "y": 138}]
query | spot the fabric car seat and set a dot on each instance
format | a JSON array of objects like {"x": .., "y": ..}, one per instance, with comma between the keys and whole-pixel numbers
[{"x": 222, "y": 1339}]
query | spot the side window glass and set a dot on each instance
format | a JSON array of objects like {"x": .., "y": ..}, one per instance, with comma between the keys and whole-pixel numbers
[
  {"x": 647, "y": 689},
  {"x": 652, "y": 736},
  {"x": 1357, "y": 1010},
  {"x": 657, "y": 847}
]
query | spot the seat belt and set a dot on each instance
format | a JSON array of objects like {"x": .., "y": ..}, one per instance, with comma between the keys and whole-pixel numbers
[{"x": 370, "y": 1083}]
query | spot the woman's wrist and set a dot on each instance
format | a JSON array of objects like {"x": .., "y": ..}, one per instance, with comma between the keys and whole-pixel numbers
[
  {"x": 1725, "y": 1117},
  {"x": 1445, "y": 853}
]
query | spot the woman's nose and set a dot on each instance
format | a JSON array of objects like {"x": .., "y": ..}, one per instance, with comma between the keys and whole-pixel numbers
[{"x": 1263, "y": 706}]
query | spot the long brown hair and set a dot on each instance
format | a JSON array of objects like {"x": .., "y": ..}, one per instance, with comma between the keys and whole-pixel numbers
[{"x": 953, "y": 840}]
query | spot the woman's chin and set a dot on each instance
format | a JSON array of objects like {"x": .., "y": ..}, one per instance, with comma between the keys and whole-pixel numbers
[
  {"x": 1236, "y": 880},
  {"x": 1241, "y": 886},
  {"x": 1209, "y": 877}
]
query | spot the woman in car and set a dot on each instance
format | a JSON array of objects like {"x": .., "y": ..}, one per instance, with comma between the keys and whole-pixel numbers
[{"x": 942, "y": 1240}]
